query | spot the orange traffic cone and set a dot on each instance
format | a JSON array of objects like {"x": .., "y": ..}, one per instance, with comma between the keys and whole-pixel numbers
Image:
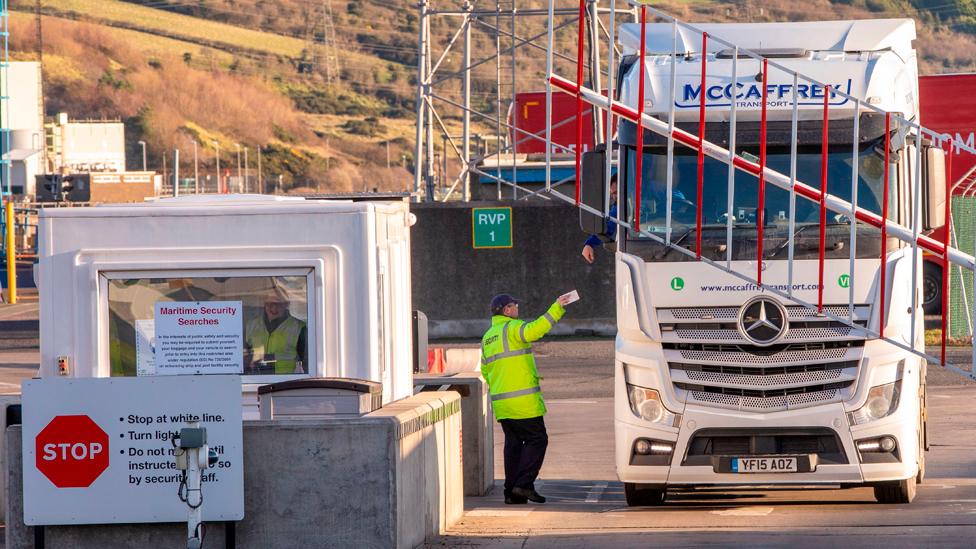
[{"x": 435, "y": 360}]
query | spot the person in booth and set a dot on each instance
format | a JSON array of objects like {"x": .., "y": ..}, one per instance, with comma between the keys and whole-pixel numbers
[
  {"x": 508, "y": 366},
  {"x": 275, "y": 341}
]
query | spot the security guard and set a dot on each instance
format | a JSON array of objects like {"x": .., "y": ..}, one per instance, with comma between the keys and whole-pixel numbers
[
  {"x": 275, "y": 342},
  {"x": 516, "y": 398}
]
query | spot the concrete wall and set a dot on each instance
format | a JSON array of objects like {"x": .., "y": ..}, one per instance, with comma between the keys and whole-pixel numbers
[
  {"x": 453, "y": 283},
  {"x": 477, "y": 424},
  {"x": 391, "y": 479}
]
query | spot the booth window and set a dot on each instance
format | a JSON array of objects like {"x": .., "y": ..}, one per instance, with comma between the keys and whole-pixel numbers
[{"x": 269, "y": 325}]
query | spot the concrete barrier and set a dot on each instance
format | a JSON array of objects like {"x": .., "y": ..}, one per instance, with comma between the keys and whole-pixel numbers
[
  {"x": 478, "y": 447},
  {"x": 390, "y": 479},
  {"x": 462, "y": 360}
]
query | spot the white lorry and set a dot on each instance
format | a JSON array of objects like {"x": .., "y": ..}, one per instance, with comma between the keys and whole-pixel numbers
[
  {"x": 718, "y": 382},
  {"x": 180, "y": 285}
]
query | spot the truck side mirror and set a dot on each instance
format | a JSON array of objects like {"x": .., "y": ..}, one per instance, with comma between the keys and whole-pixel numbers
[
  {"x": 934, "y": 197},
  {"x": 593, "y": 188}
]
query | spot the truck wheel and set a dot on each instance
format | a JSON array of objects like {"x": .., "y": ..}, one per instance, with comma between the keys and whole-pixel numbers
[
  {"x": 899, "y": 491},
  {"x": 637, "y": 496},
  {"x": 931, "y": 288}
]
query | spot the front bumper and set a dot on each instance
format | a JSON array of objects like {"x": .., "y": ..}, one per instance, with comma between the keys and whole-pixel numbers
[{"x": 842, "y": 464}]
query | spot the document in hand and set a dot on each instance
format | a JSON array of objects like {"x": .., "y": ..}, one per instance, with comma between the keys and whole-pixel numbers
[{"x": 573, "y": 296}]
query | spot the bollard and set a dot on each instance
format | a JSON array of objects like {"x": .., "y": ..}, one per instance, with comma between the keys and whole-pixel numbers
[{"x": 11, "y": 254}]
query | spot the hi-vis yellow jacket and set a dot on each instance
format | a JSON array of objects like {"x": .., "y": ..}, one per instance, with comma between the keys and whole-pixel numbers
[{"x": 509, "y": 367}]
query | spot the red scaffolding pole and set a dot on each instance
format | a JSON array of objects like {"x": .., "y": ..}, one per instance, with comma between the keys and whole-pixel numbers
[
  {"x": 945, "y": 256},
  {"x": 701, "y": 149},
  {"x": 639, "y": 160},
  {"x": 823, "y": 196},
  {"x": 580, "y": 44}
]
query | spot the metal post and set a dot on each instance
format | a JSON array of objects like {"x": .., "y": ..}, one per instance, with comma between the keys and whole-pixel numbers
[
  {"x": 823, "y": 196},
  {"x": 238, "y": 146},
  {"x": 730, "y": 186},
  {"x": 429, "y": 119},
  {"x": 760, "y": 210},
  {"x": 595, "y": 80},
  {"x": 498, "y": 101},
  {"x": 611, "y": 60},
  {"x": 176, "y": 172},
  {"x": 246, "y": 170},
  {"x": 580, "y": 46},
  {"x": 639, "y": 156},
  {"x": 11, "y": 252},
  {"x": 701, "y": 146},
  {"x": 515, "y": 132},
  {"x": 261, "y": 188},
  {"x": 855, "y": 154},
  {"x": 216, "y": 144},
  {"x": 421, "y": 101},
  {"x": 143, "y": 144},
  {"x": 196, "y": 169},
  {"x": 550, "y": 32},
  {"x": 883, "y": 273},
  {"x": 466, "y": 99}
]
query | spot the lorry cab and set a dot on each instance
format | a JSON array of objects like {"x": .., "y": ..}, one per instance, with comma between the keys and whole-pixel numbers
[{"x": 721, "y": 381}]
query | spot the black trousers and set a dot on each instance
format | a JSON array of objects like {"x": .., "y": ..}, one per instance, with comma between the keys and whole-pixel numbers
[{"x": 525, "y": 449}]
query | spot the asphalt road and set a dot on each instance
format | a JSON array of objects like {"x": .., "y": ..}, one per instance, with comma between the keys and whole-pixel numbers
[{"x": 586, "y": 506}]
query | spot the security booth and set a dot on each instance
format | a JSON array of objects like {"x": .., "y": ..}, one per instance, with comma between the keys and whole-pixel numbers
[{"x": 274, "y": 289}]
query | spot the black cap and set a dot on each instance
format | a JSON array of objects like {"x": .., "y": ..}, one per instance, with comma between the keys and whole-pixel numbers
[{"x": 501, "y": 301}]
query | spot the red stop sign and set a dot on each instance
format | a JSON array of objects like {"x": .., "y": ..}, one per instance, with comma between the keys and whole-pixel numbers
[{"x": 72, "y": 451}]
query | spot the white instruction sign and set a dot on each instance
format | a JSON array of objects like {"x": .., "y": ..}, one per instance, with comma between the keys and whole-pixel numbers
[
  {"x": 199, "y": 337},
  {"x": 99, "y": 451}
]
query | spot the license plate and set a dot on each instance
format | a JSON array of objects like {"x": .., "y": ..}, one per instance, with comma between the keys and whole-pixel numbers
[{"x": 764, "y": 465}]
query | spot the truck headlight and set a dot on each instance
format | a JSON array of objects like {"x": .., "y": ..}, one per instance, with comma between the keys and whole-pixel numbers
[
  {"x": 646, "y": 404},
  {"x": 882, "y": 402}
]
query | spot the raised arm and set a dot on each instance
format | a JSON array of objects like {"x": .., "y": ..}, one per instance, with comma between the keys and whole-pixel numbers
[{"x": 528, "y": 332}]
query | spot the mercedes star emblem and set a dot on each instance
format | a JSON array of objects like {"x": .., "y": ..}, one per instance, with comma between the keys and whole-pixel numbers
[{"x": 763, "y": 320}]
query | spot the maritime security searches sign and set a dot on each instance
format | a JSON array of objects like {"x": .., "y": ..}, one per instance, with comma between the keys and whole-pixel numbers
[
  {"x": 198, "y": 337},
  {"x": 747, "y": 94},
  {"x": 99, "y": 451}
]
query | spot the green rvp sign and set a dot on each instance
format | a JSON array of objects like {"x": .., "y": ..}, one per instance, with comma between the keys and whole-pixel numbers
[{"x": 491, "y": 227}]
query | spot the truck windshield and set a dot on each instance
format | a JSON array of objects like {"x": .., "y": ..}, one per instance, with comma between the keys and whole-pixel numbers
[{"x": 745, "y": 201}]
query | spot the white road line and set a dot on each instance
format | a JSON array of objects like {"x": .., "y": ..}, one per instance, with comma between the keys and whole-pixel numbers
[
  {"x": 5, "y": 385},
  {"x": 593, "y": 496},
  {"x": 745, "y": 512},
  {"x": 491, "y": 512}
]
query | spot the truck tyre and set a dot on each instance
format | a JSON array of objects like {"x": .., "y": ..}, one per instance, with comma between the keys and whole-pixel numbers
[
  {"x": 931, "y": 288},
  {"x": 643, "y": 497},
  {"x": 899, "y": 491}
]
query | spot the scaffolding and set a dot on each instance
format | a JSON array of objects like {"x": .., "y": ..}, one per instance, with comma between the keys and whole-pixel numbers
[
  {"x": 497, "y": 39},
  {"x": 590, "y": 23}
]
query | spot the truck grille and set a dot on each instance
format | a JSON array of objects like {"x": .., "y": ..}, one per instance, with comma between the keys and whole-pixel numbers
[
  {"x": 712, "y": 364},
  {"x": 764, "y": 379},
  {"x": 719, "y": 324}
]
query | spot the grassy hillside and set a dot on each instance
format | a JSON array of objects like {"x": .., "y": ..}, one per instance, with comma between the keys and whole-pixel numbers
[{"x": 255, "y": 72}]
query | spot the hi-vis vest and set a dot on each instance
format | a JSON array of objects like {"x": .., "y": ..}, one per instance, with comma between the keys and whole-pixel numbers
[
  {"x": 282, "y": 342},
  {"x": 509, "y": 367}
]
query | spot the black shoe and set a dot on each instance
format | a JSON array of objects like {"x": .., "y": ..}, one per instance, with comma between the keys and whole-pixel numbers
[
  {"x": 515, "y": 500},
  {"x": 529, "y": 494}
]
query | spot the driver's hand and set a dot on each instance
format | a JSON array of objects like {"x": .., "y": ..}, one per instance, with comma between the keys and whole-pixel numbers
[{"x": 588, "y": 253}]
